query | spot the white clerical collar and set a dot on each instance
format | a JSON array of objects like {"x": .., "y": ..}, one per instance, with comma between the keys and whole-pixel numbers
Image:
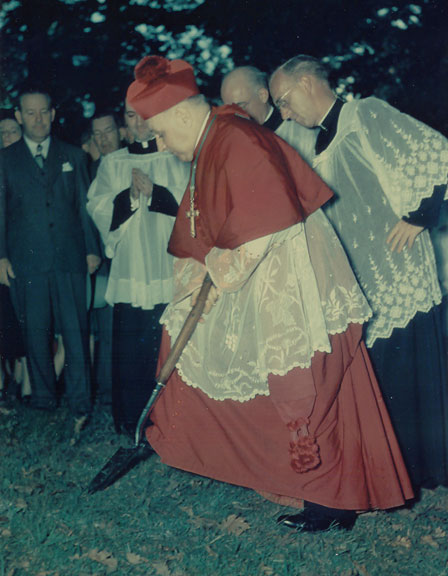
[
  {"x": 33, "y": 146},
  {"x": 271, "y": 110},
  {"x": 204, "y": 124},
  {"x": 326, "y": 114}
]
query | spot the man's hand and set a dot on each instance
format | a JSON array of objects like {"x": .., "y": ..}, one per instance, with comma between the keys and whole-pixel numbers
[
  {"x": 6, "y": 271},
  {"x": 93, "y": 263},
  {"x": 403, "y": 234},
  {"x": 141, "y": 184},
  {"x": 212, "y": 297}
]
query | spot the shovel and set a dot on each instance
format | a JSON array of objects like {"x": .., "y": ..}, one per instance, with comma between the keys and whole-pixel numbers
[{"x": 125, "y": 459}]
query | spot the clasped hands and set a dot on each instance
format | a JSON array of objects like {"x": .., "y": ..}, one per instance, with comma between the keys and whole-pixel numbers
[
  {"x": 403, "y": 234},
  {"x": 141, "y": 184}
]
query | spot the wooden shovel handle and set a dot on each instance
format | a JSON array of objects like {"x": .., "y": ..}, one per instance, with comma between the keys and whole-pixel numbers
[
  {"x": 186, "y": 332},
  {"x": 175, "y": 352}
]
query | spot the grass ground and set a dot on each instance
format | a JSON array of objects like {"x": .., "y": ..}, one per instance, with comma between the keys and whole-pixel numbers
[{"x": 165, "y": 522}]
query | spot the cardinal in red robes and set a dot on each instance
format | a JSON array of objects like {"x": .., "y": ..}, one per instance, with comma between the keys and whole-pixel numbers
[{"x": 275, "y": 390}]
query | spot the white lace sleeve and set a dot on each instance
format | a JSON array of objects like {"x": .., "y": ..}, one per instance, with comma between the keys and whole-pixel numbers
[
  {"x": 188, "y": 277},
  {"x": 230, "y": 269},
  {"x": 408, "y": 157}
]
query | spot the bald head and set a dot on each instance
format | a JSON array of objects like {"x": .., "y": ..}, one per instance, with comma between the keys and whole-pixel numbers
[
  {"x": 177, "y": 129},
  {"x": 247, "y": 87},
  {"x": 301, "y": 91}
]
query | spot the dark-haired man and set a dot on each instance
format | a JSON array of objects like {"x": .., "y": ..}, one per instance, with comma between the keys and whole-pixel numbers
[
  {"x": 389, "y": 175},
  {"x": 10, "y": 130},
  {"x": 106, "y": 132},
  {"x": 47, "y": 244}
]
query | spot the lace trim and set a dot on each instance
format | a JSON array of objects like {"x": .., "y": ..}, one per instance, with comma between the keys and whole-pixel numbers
[
  {"x": 384, "y": 163},
  {"x": 244, "y": 385}
]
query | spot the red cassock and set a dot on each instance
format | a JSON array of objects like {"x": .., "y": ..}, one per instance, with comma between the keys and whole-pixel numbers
[{"x": 250, "y": 184}]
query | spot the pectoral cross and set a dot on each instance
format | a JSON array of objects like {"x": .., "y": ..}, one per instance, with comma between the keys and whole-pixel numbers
[{"x": 192, "y": 214}]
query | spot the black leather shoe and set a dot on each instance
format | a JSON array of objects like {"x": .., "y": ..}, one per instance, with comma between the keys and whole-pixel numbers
[
  {"x": 309, "y": 521},
  {"x": 2, "y": 396}
]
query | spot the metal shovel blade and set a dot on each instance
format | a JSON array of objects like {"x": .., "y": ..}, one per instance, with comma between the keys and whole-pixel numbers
[
  {"x": 118, "y": 465},
  {"x": 126, "y": 458}
]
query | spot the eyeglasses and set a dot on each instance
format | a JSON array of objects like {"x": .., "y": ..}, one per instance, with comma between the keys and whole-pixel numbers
[{"x": 281, "y": 102}]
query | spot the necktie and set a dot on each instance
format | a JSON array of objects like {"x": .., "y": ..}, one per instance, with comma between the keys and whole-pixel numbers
[{"x": 39, "y": 157}]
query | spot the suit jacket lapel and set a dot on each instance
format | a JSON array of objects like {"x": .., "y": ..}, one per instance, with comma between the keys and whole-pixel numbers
[{"x": 53, "y": 165}]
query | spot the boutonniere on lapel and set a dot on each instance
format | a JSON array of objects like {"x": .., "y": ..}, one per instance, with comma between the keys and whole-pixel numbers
[{"x": 67, "y": 167}]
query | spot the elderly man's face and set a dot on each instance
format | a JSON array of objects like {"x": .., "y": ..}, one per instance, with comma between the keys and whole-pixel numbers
[
  {"x": 237, "y": 90},
  {"x": 136, "y": 125},
  {"x": 106, "y": 134},
  {"x": 35, "y": 115},
  {"x": 10, "y": 132},
  {"x": 293, "y": 99},
  {"x": 174, "y": 134}
]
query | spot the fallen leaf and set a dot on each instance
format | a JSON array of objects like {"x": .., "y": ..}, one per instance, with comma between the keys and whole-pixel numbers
[
  {"x": 210, "y": 551},
  {"x": 235, "y": 525},
  {"x": 79, "y": 424},
  {"x": 30, "y": 489},
  {"x": 21, "y": 504},
  {"x": 103, "y": 557},
  {"x": 188, "y": 510},
  {"x": 428, "y": 539},
  {"x": 362, "y": 570},
  {"x": 6, "y": 533},
  {"x": 439, "y": 533},
  {"x": 135, "y": 559},
  {"x": 162, "y": 569},
  {"x": 172, "y": 486},
  {"x": 30, "y": 471},
  {"x": 402, "y": 541},
  {"x": 23, "y": 489}
]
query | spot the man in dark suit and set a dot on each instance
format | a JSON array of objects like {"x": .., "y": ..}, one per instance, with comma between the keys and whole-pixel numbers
[{"x": 47, "y": 245}]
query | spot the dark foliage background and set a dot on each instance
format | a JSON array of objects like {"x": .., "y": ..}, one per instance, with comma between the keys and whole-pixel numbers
[{"x": 85, "y": 49}]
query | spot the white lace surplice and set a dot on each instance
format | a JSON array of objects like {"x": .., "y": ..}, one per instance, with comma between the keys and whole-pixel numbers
[
  {"x": 141, "y": 269},
  {"x": 281, "y": 297},
  {"x": 301, "y": 138},
  {"x": 380, "y": 165}
]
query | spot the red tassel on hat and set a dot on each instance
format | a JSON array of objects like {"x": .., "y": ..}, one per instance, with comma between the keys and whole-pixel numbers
[{"x": 151, "y": 68}]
